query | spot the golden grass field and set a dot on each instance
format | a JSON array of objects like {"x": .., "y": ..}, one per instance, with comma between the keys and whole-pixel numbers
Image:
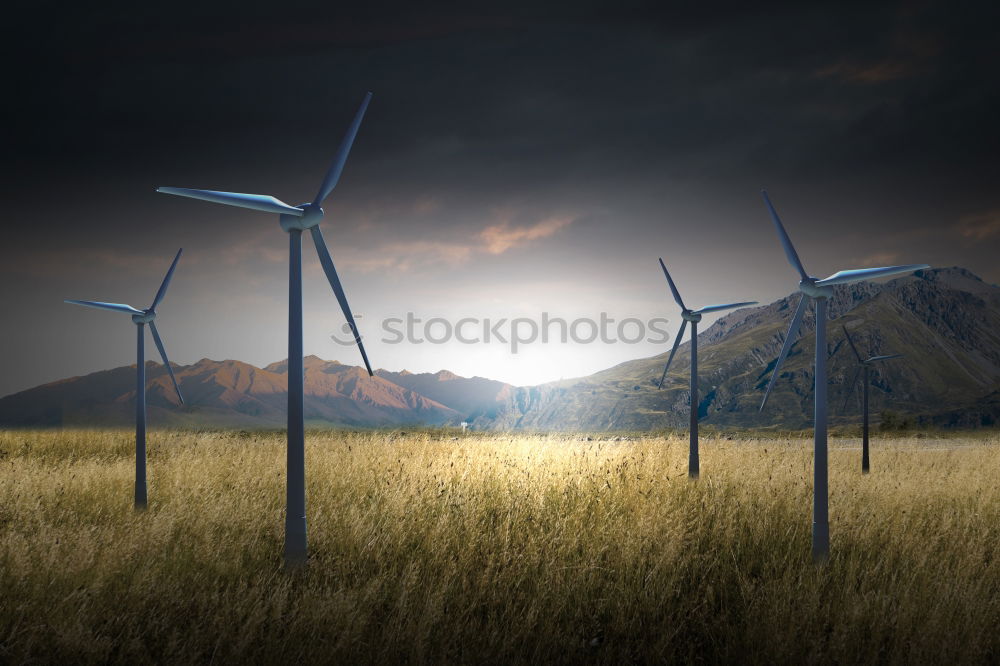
[{"x": 496, "y": 549}]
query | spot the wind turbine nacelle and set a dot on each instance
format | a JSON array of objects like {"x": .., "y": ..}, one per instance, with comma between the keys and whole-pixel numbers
[
  {"x": 809, "y": 288},
  {"x": 692, "y": 317},
  {"x": 144, "y": 318},
  {"x": 312, "y": 217}
]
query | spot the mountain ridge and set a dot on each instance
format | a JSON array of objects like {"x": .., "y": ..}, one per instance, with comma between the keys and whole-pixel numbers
[
  {"x": 223, "y": 393},
  {"x": 945, "y": 321}
]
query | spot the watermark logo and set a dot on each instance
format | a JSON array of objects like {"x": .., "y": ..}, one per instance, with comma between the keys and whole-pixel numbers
[{"x": 517, "y": 332}]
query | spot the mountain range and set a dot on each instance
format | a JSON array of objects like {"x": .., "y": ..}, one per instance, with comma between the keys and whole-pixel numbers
[
  {"x": 946, "y": 323},
  {"x": 224, "y": 393}
]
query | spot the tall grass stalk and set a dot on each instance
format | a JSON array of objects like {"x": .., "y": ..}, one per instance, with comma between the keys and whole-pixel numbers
[{"x": 496, "y": 549}]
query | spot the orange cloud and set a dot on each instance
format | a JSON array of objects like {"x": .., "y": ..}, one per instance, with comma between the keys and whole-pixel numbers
[
  {"x": 256, "y": 248},
  {"x": 879, "y": 259},
  {"x": 499, "y": 238},
  {"x": 908, "y": 53},
  {"x": 870, "y": 73},
  {"x": 495, "y": 239},
  {"x": 981, "y": 225}
]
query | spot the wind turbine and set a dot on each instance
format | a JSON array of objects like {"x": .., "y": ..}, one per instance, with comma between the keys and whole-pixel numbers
[
  {"x": 140, "y": 318},
  {"x": 295, "y": 220},
  {"x": 692, "y": 317},
  {"x": 819, "y": 291},
  {"x": 863, "y": 366}
]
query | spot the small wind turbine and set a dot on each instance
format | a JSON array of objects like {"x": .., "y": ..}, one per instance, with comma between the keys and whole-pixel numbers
[
  {"x": 140, "y": 318},
  {"x": 692, "y": 317},
  {"x": 819, "y": 291},
  {"x": 863, "y": 367},
  {"x": 295, "y": 220}
]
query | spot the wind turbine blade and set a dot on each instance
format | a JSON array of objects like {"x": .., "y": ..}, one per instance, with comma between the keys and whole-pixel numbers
[
  {"x": 883, "y": 358},
  {"x": 677, "y": 343},
  {"x": 117, "y": 307},
  {"x": 673, "y": 287},
  {"x": 850, "y": 389},
  {"x": 338, "y": 290},
  {"x": 727, "y": 306},
  {"x": 166, "y": 361},
  {"x": 846, "y": 277},
  {"x": 263, "y": 202},
  {"x": 166, "y": 281},
  {"x": 793, "y": 328},
  {"x": 786, "y": 242},
  {"x": 333, "y": 175},
  {"x": 851, "y": 342}
]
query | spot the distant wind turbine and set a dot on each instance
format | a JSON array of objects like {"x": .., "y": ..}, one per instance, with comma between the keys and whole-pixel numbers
[
  {"x": 140, "y": 318},
  {"x": 863, "y": 367},
  {"x": 692, "y": 317},
  {"x": 819, "y": 291},
  {"x": 295, "y": 220}
]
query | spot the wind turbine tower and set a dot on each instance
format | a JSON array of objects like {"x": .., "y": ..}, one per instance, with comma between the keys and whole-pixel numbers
[
  {"x": 140, "y": 318},
  {"x": 864, "y": 365},
  {"x": 692, "y": 317},
  {"x": 819, "y": 292},
  {"x": 294, "y": 220}
]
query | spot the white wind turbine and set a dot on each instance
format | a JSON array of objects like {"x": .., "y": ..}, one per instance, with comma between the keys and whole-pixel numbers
[
  {"x": 140, "y": 318},
  {"x": 295, "y": 220},
  {"x": 692, "y": 317},
  {"x": 819, "y": 291}
]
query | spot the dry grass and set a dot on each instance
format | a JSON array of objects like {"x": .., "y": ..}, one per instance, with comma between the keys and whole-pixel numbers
[{"x": 495, "y": 549}]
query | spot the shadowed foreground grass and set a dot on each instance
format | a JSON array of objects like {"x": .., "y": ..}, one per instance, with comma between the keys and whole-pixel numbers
[{"x": 495, "y": 549}]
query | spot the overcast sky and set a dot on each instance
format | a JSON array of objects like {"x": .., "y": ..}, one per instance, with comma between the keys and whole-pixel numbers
[{"x": 512, "y": 162}]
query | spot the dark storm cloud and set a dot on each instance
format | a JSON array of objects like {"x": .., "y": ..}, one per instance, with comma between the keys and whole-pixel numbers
[
  {"x": 634, "y": 83},
  {"x": 584, "y": 131},
  {"x": 516, "y": 101}
]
